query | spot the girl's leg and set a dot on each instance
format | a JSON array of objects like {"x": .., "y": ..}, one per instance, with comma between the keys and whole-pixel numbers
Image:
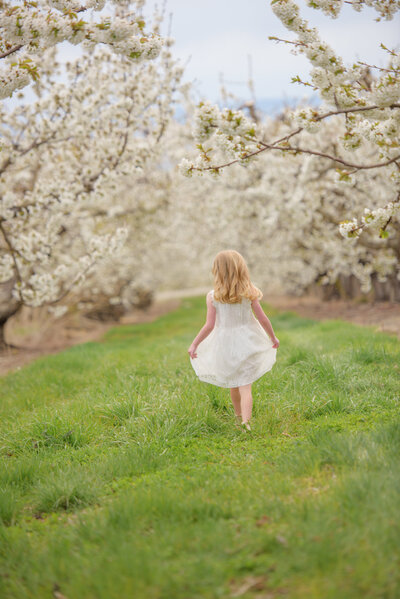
[
  {"x": 235, "y": 397},
  {"x": 246, "y": 402}
]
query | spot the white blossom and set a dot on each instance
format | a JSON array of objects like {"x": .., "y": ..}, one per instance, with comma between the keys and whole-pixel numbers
[
  {"x": 65, "y": 209},
  {"x": 27, "y": 30}
]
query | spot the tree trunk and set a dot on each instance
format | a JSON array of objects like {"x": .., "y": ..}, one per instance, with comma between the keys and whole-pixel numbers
[
  {"x": 348, "y": 287},
  {"x": 8, "y": 307}
]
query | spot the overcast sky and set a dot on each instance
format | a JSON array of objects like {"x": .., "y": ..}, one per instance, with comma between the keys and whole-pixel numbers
[{"x": 218, "y": 35}]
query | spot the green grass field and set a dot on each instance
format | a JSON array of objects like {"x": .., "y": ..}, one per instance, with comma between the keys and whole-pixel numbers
[{"x": 123, "y": 476}]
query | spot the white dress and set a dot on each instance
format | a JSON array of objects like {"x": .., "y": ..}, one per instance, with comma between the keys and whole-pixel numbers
[{"x": 238, "y": 351}]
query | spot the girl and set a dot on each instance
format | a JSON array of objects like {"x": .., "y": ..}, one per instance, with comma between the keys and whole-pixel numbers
[{"x": 233, "y": 349}]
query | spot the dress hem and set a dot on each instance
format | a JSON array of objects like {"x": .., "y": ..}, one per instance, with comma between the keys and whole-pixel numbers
[{"x": 232, "y": 386}]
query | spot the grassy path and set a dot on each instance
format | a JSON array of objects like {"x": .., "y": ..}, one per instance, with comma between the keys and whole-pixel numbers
[{"x": 124, "y": 476}]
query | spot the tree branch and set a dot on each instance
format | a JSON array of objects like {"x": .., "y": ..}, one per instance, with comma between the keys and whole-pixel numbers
[
  {"x": 373, "y": 66},
  {"x": 274, "y": 145},
  {"x": 12, "y": 251},
  {"x": 11, "y": 51},
  {"x": 34, "y": 144},
  {"x": 297, "y": 150}
]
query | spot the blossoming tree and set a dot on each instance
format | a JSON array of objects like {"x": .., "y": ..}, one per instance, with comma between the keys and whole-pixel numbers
[
  {"x": 64, "y": 161},
  {"x": 366, "y": 108},
  {"x": 297, "y": 205},
  {"x": 282, "y": 212}
]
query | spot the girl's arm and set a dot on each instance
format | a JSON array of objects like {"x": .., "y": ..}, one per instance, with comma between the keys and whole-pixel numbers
[
  {"x": 206, "y": 330},
  {"x": 265, "y": 322}
]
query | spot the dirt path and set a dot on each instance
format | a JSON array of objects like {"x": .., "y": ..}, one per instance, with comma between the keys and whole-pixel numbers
[{"x": 50, "y": 337}]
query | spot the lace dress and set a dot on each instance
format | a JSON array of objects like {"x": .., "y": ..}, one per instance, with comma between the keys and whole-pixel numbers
[{"x": 238, "y": 351}]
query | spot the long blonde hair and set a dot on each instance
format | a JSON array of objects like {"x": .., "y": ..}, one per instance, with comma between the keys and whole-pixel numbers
[{"x": 232, "y": 279}]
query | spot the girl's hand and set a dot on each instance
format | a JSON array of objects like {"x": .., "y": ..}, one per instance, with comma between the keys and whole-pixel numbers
[
  {"x": 192, "y": 351},
  {"x": 275, "y": 342}
]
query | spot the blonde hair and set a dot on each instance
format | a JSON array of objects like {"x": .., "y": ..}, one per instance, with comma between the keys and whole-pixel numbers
[{"x": 232, "y": 279}]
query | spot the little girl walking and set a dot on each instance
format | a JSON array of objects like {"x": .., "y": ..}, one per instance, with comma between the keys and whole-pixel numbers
[{"x": 234, "y": 349}]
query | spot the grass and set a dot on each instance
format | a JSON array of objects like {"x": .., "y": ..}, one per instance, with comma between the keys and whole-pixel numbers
[{"x": 124, "y": 476}]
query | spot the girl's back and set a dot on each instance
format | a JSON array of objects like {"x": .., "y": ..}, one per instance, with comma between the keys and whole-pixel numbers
[{"x": 233, "y": 315}]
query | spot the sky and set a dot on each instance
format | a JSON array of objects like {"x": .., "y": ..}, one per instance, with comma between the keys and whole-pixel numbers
[{"x": 216, "y": 37}]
